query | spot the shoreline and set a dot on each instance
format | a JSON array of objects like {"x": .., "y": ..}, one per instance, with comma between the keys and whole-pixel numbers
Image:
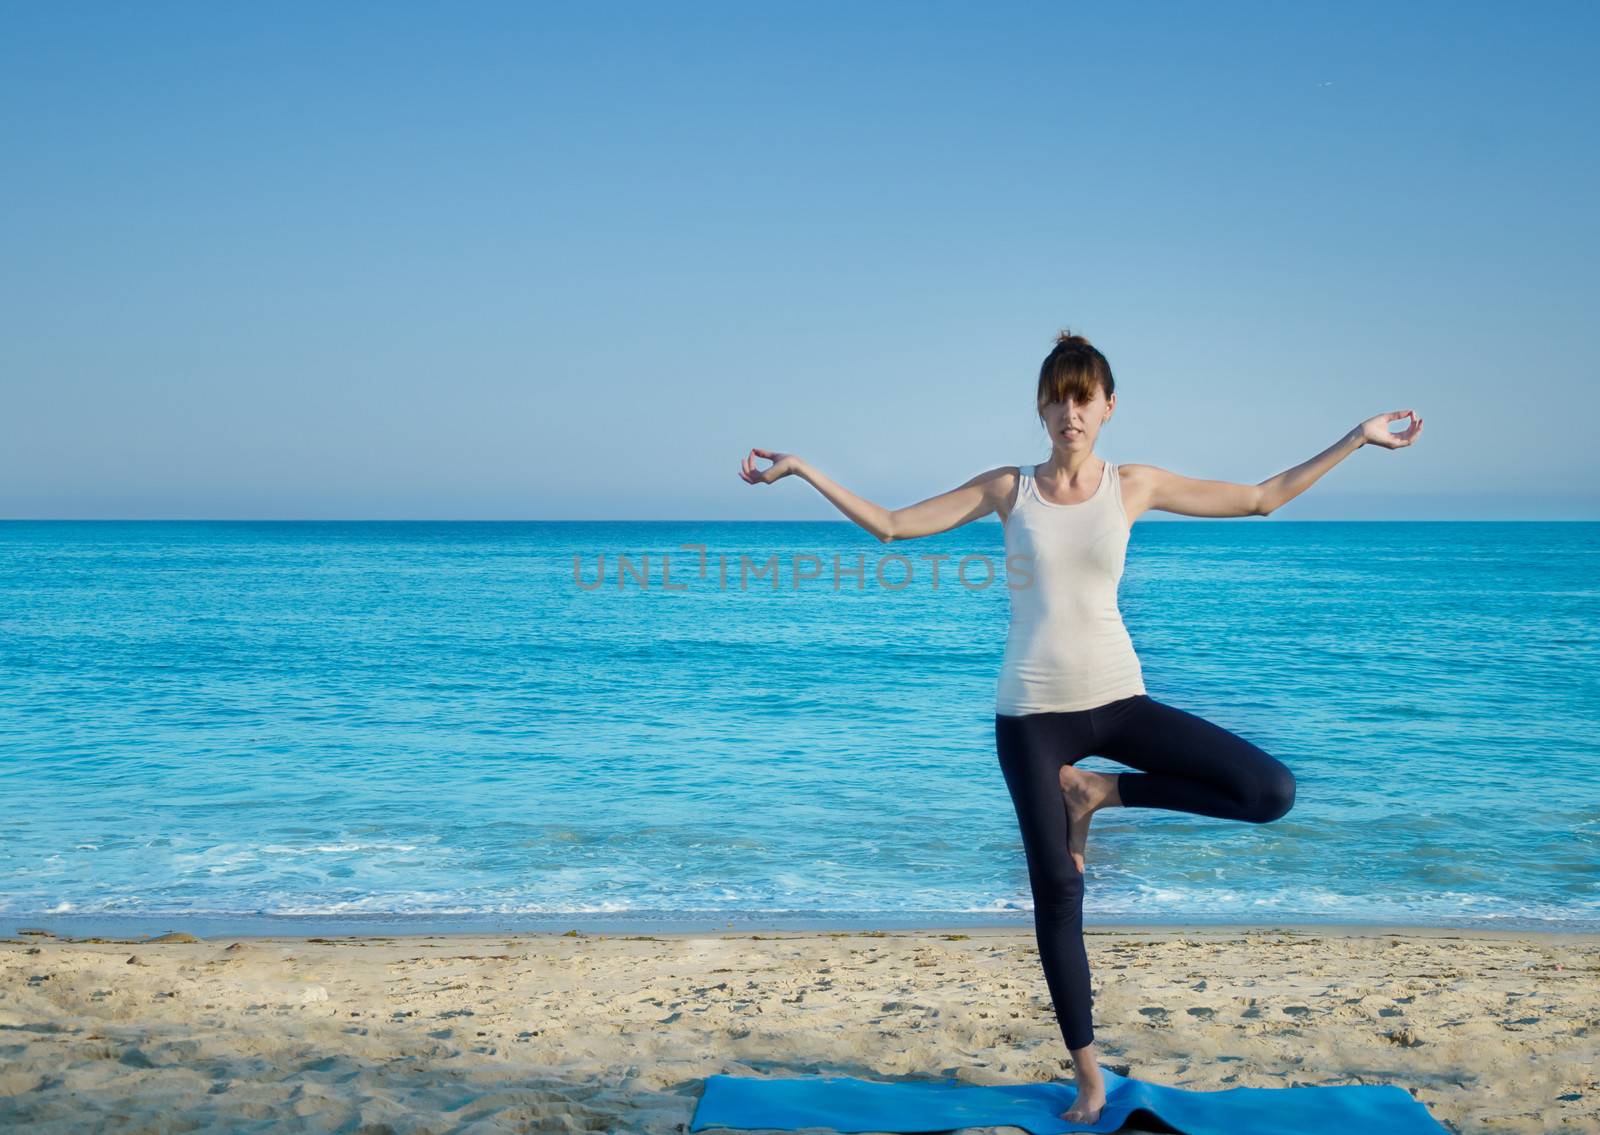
[{"x": 207, "y": 928}]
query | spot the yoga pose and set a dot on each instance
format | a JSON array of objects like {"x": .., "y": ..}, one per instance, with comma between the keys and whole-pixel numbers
[{"x": 1070, "y": 685}]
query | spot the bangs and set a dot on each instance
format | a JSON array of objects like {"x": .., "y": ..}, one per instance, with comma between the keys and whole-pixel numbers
[{"x": 1070, "y": 378}]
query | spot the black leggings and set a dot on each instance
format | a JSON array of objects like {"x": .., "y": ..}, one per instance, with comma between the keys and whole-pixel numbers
[{"x": 1187, "y": 765}]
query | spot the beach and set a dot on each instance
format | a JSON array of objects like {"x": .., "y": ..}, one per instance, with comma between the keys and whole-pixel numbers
[
  {"x": 1492, "y": 1031},
  {"x": 555, "y": 556}
]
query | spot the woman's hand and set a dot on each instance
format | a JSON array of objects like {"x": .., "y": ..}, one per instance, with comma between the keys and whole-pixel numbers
[
  {"x": 1376, "y": 429},
  {"x": 783, "y": 464}
]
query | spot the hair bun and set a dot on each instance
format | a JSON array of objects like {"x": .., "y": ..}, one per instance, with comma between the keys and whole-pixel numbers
[{"x": 1068, "y": 339}]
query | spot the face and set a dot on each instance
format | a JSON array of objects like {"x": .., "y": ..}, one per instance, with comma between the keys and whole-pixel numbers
[{"x": 1083, "y": 419}]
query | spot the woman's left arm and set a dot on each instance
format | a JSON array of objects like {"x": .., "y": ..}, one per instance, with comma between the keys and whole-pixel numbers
[{"x": 1187, "y": 496}]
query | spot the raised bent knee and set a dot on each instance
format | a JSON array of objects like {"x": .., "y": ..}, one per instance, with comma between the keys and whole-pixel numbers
[{"x": 1277, "y": 797}]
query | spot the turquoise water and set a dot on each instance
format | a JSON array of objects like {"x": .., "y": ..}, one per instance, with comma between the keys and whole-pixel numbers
[{"x": 324, "y": 725}]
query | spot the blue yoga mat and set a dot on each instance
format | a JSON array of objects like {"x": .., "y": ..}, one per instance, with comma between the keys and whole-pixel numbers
[{"x": 847, "y": 1104}]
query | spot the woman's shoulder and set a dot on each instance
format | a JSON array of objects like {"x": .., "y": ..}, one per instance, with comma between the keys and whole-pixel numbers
[
  {"x": 1131, "y": 475},
  {"x": 1134, "y": 483},
  {"x": 1009, "y": 480}
]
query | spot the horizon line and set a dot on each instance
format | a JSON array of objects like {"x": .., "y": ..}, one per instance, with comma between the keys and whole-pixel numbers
[{"x": 720, "y": 520}]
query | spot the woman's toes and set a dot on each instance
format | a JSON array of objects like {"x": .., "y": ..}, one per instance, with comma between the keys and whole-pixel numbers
[{"x": 1089, "y": 1115}]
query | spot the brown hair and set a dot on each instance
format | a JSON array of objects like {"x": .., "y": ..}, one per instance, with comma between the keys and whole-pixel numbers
[{"x": 1073, "y": 368}]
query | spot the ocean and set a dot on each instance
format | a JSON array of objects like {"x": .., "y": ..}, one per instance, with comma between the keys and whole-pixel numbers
[{"x": 329, "y": 727}]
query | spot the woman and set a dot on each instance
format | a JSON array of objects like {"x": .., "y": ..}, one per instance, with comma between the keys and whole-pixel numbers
[{"x": 1070, "y": 684}]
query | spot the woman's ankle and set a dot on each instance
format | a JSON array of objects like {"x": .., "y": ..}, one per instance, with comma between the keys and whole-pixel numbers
[{"x": 1085, "y": 1063}]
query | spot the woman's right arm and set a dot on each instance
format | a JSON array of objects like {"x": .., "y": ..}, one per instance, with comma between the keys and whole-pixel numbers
[{"x": 978, "y": 497}]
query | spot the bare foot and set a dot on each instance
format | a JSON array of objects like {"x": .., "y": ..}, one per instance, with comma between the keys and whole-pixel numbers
[
  {"x": 1085, "y": 793},
  {"x": 1091, "y": 1099}
]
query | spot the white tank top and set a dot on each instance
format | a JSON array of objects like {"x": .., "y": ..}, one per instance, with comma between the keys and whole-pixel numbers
[{"x": 1066, "y": 647}]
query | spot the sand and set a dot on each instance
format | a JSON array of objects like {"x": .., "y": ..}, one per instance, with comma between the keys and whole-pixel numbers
[{"x": 548, "y": 1032}]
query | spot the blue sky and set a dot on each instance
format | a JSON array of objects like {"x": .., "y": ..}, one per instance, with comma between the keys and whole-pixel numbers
[{"x": 555, "y": 261}]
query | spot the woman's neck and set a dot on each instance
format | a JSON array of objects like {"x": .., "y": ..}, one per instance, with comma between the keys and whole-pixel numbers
[{"x": 1057, "y": 469}]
